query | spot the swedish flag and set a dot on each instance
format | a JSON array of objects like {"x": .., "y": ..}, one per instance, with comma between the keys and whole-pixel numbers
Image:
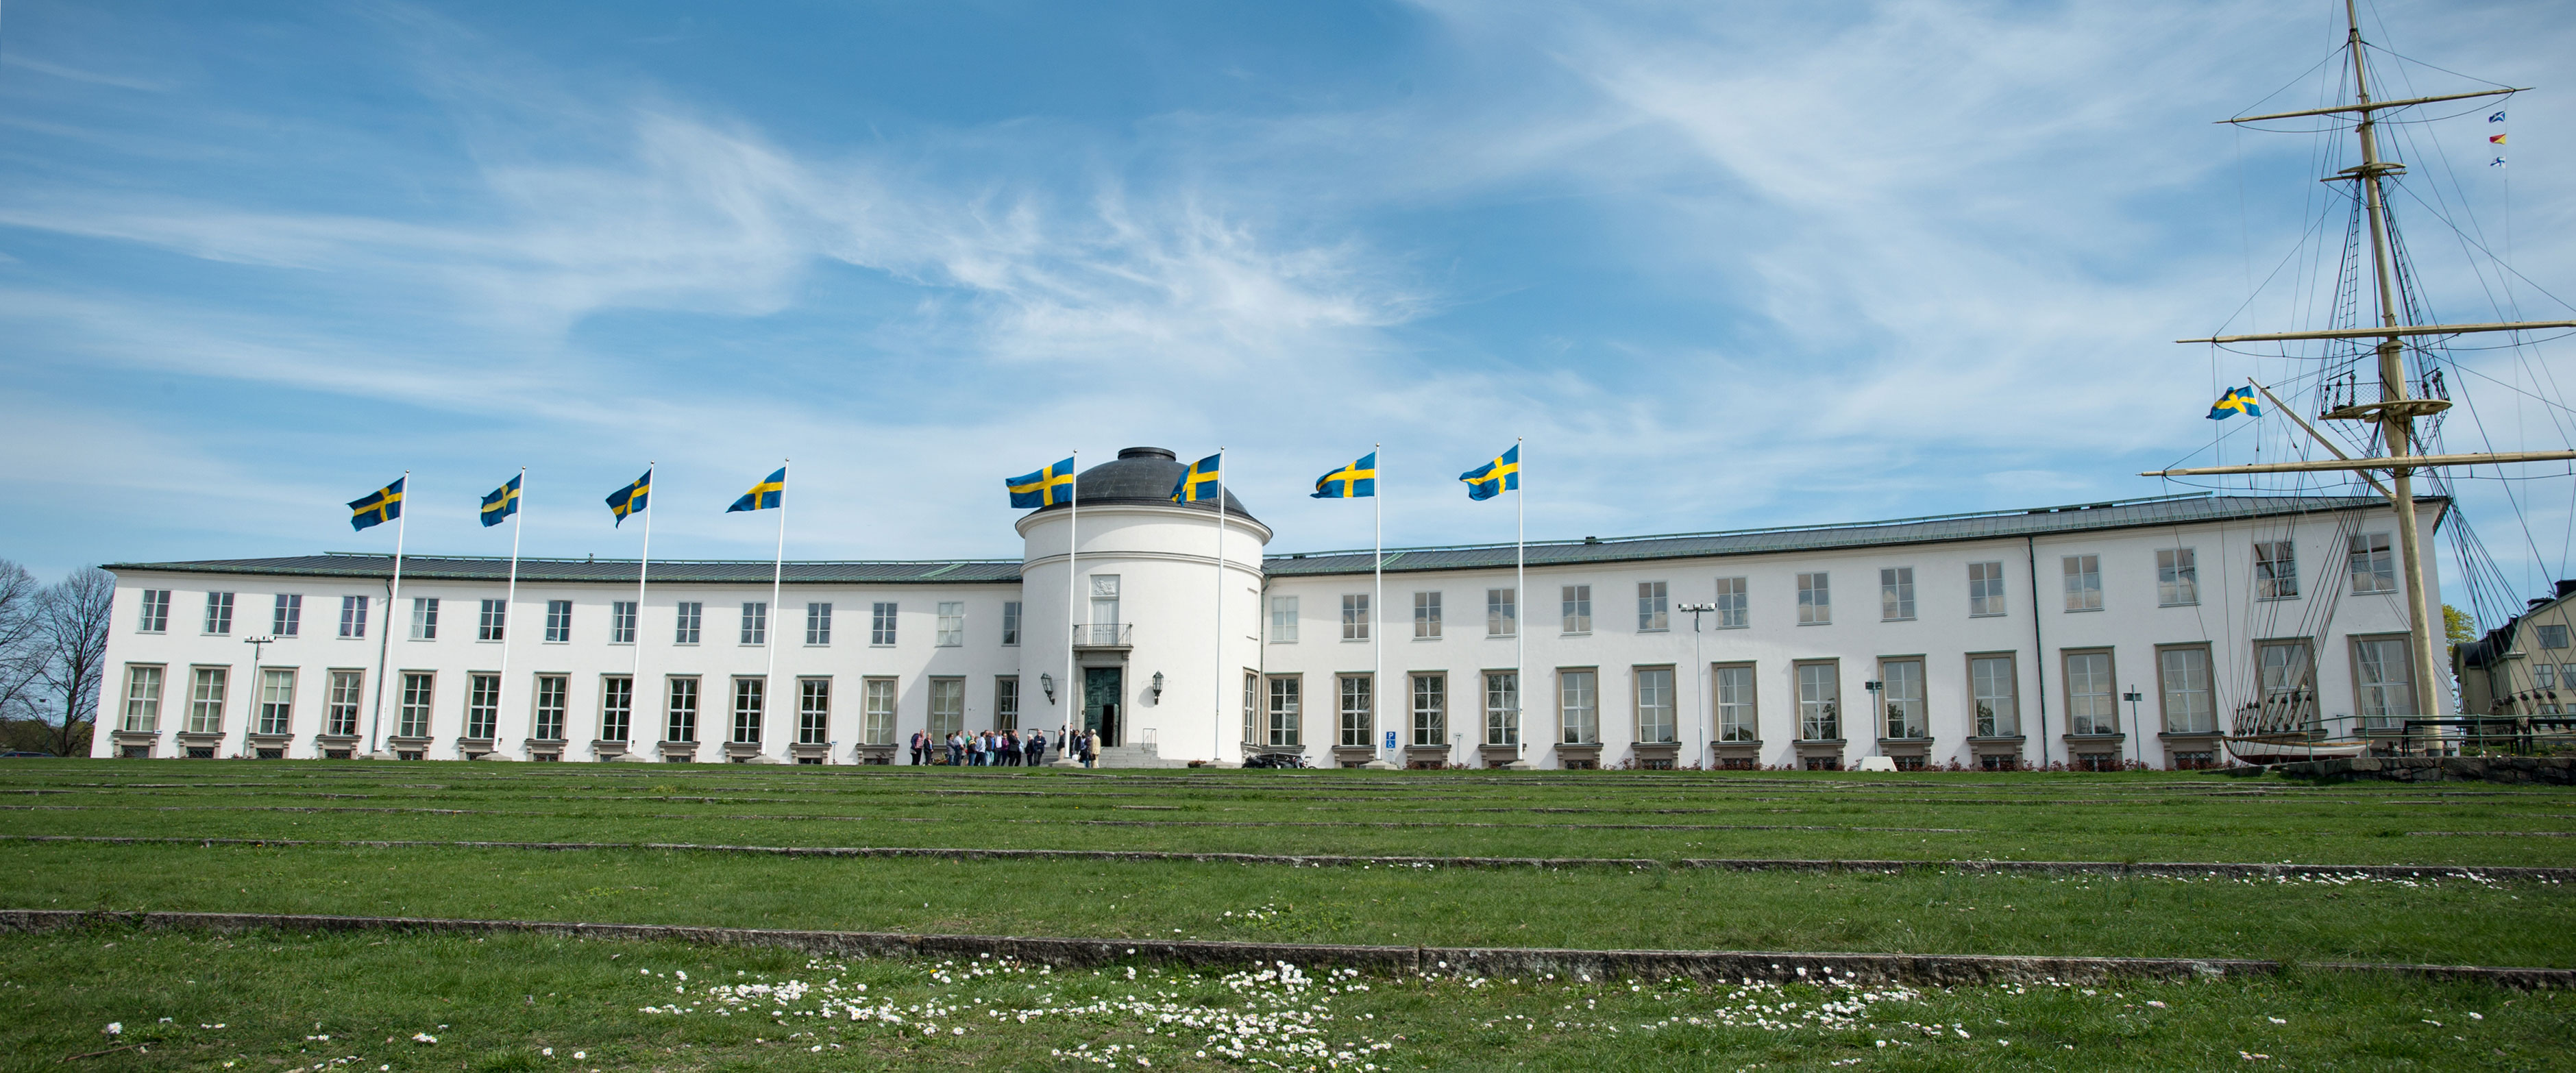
[
  {"x": 2236, "y": 401},
  {"x": 1044, "y": 488},
  {"x": 768, "y": 493},
  {"x": 1200, "y": 482},
  {"x": 1355, "y": 481},
  {"x": 1496, "y": 477},
  {"x": 502, "y": 503},
  {"x": 377, "y": 507},
  {"x": 630, "y": 499}
]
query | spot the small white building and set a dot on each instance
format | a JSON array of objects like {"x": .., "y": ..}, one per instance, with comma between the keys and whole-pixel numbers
[{"x": 2093, "y": 635}]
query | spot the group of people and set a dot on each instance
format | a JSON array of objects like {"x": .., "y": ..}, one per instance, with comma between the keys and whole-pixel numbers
[{"x": 999, "y": 748}]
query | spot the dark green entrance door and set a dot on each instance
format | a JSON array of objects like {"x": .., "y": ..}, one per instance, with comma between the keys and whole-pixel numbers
[{"x": 1100, "y": 696}]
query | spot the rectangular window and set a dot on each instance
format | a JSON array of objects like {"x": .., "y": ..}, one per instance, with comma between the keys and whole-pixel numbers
[
  {"x": 2287, "y": 677},
  {"x": 2545, "y": 676},
  {"x": 1655, "y": 706},
  {"x": 1992, "y": 688},
  {"x": 2083, "y": 582},
  {"x": 1654, "y": 607},
  {"x": 1286, "y": 708},
  {"x": 2385, "y": 676},
  {"x": 1006, "y": 702},
  {"x": 1820, "y": 702},
  {"x": 1578, "y": 707},
  {"x": 287, "y": 618},
  {"x": 143, "y": 700},
  {"x": 154, "y": 606},
  {"x": 1900, "y": 692},
  {"x": 1355, "y": 616},
  {"x": 1502, "y": 613},
  {"x": 1737, "y": 717},
  {"x": 424, "y": 618},
  {"x": 750, "y": 701},
  {"x": 494, "y": 619},
  {"x": 755, "y": 622},
  {"x": 686, "y": 625},
  {"x": 2092, "y": 702},
  {"x": 206, "y": 700},
  {"x": 616, "y": 707},
  {"x": 1895, "y": 593},
  {"x": 813, "y": 711},
  {"x": 2276, "y": 570},
  {"x": 2182, "y": 674},
  {"x": 1359, "y": 711},
  {"x": 877, "y": 711},
  {"x": 2374, "y": 568},
  {"x": 1733, "y": 609},
  {"x": 554, "y": 700},
  {"x": 2553, "y": 636},
  {"x": 219, "y": 613},
  {"x": 882, "y": 617},
  {"x": 340, "y": 714},
  {"x": 680, "y": 710},
  {"x": 947, "y": 706},
  {"x": 1985, "y": 589},
  {"x": 1251, "y": 707},
  {"x": 559, "y": 620},
  {"x": 818, "y": 623},
  {"x": 1815, "y": 600},
  {"x": 2177, "y": 578},
  {"x": 482, "y": 706},
  {"x": 1430, "y": 709},
  {"x": 277, "y": 701},
  {"x": 1283, "y": 620},
  {"x": 411, "y": 717},
  {"x": 621, "y": 626},
  {"x": 1577, "y": 604},
  {"x": 353, "y": 616},
  {"x": 1010, "y": 622},
  {"x": 952, "y": 625},
  {"x": 1502, "y": 707},
  {"x": 1426, "y": 614},
  {"x": 1104, "y": 605}
]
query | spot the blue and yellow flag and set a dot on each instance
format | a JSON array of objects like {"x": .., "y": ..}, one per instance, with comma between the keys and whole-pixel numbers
[
  {"x": 771, "y": 491},
  {"x": 2236, "y": 401},
  {"x": 1200, "y": 482},
  {"x": 1494, "y": 478},
  {"x": 502, "y": 503},
  {"x": 377, "y": 507},
  {"x": 631, "y": 499},
  {"x": 1044, "y": 488},
  {"x": 1355, "y": 481}
]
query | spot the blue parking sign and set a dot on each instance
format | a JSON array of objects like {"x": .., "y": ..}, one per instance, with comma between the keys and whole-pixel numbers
[{"x": 1390, "y": 741}]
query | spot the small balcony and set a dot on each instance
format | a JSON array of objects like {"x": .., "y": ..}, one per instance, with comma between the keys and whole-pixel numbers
[{"x": 1118, "y": 635}]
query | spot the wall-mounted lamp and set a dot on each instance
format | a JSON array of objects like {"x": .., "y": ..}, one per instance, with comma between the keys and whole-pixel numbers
[
  {"x": 1158, "y": 687},
  {"x": 1046, "y": 683},
  {"x": 1873, "y": 685}
]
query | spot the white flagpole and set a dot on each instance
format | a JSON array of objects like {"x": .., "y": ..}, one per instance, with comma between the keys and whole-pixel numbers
[
  {"x": 384, "y": 638},
  {"x": 1216, "y": 681},
  {"x": 510, "y": 595},
  {"x": 777, "y": 613},
  {"x": 1377, "y": 593},
  {"x": 643, "y": 565},
  {"x": 1072, "y": 552},
  {"x": 1520, "y": 585}
]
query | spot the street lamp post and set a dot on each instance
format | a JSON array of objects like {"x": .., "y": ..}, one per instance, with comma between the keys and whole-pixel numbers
[
  {"x": 250, "y": 706},
  {"x": 1699, "y": 666}
]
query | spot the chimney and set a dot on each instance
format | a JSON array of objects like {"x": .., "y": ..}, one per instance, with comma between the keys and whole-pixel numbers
[{"x": 2565, "y": 588}]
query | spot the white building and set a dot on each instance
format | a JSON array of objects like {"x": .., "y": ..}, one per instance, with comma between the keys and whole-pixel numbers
[{"x": 2085, "y": 635}]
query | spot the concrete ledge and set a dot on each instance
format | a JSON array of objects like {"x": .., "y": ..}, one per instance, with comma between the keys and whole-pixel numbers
[
  {"x": 1707, "y": 966},
  {"x": 2539, "y": 770}
]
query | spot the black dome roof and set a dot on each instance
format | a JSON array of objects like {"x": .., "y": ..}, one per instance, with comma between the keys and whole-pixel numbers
[{"x": 1141, "y": 475}]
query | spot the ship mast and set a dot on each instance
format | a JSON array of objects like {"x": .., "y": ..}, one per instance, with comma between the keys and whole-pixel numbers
[{"x": 2395, "y": 412}]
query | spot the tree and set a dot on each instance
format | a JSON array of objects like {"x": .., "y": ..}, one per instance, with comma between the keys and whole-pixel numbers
[
  {"x": 73, "y": 636},
  {"x": 2458, "y": 627},
  {"x": 21, "y": 627}
]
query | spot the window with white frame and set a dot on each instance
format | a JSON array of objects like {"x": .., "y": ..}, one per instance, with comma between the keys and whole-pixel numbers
[
  {"x": 680, "y": 710},
  {"x": 621, "y": 623},
  {"x": 1502, "y": 613},
  {"x": 1251, "y": 707},
  {"x": 482, "y": 706},
  {"x": 219, "y": 613},
  {"x": 142, "y": 700},
  {"x": 883, "y": 617},
  {"x": 1815, "y": 599},
  {"x": 492, "y": 621},
  {"x": 2083, "y": 582},
  {"x": 2276, "y": 570},
  {"x": 1820, "y": 702},
  {"x": 2286, "y": 675},
  {"x": 755, "y": 622},
  {"x": 2386, "y": 677},
  {"x": 2552, "y": 636},
  {"x": 876, "y": 708},
  {"x": 1900, "y": 694},
  {"x": 1006, "y": 702},
  {"x": 411, "y": 717},
  {"x": 616, "y": 707},
  {"x": 1287, "y": 707},
  {"x": 1010, "y": 623},
  {"x": 1502, "y": 707},
  {"x": 2177, "y": 577},
  {"x": 1654, "y": 607},
  {"x": 554, "y": 702},
  {"x": 340, "y": 705},
  {"x": 1985, "y": 589},
  {"x": 1655, "y": 724},
  {"x": 1734, "y": 610},
  {"x": 2183, "y": 675},
  {"x": 2374, "y": 567},
  {"x": 1994, "y": 689},
  {"x": 1426, "y": 615},
  {"x": 286, "y": 618},
  {"x": 206, "y": 700},
  {"x": 153, "y": 606},
  {"x": 2092, "y": 703},
  {"x": 750, "y": 702},
  {"x": 947, "y": 706},
  {"x": 1578, "y": 707},
  {"x": 1737, "y": 718},
  {"x": 353, "y": 617},
  {"x": 951, "y": 624},
  {"x": 276, "y": 701},
  {"x": 1577, "y": 601},
  {"x": 1355, "y": 616},
  {"x": 559, "y": 621},
  {"x": 686, "y": 626},
  {"x": 1283, "y": 620},
  {"x": 1359, "y": 711},
  {"x": 818, "y": 623},
  {"x": 1895, "y": 593},
  {"x": 1430, "y": 709},
  {"x": 813, "y": 711},
  {"x": 424, "y": 618},
  {"x": 2545, "y": 676}
]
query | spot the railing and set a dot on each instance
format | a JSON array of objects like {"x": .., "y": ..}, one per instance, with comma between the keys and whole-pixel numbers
[{"x": 1104, "y": 635}]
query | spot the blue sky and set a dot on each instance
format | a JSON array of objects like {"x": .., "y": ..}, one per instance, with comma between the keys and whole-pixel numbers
[{"x": 1722, "y": 264}]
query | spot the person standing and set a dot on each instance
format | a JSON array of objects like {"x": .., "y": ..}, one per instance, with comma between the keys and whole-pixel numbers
[
  {"x": 920, "y": 747},
  {"x": 1037, "y": 748},
  {"x": 956, "y": 749}
]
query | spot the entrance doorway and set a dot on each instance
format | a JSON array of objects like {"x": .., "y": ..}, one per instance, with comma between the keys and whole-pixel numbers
[{"x": 1100, "y": 696}]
